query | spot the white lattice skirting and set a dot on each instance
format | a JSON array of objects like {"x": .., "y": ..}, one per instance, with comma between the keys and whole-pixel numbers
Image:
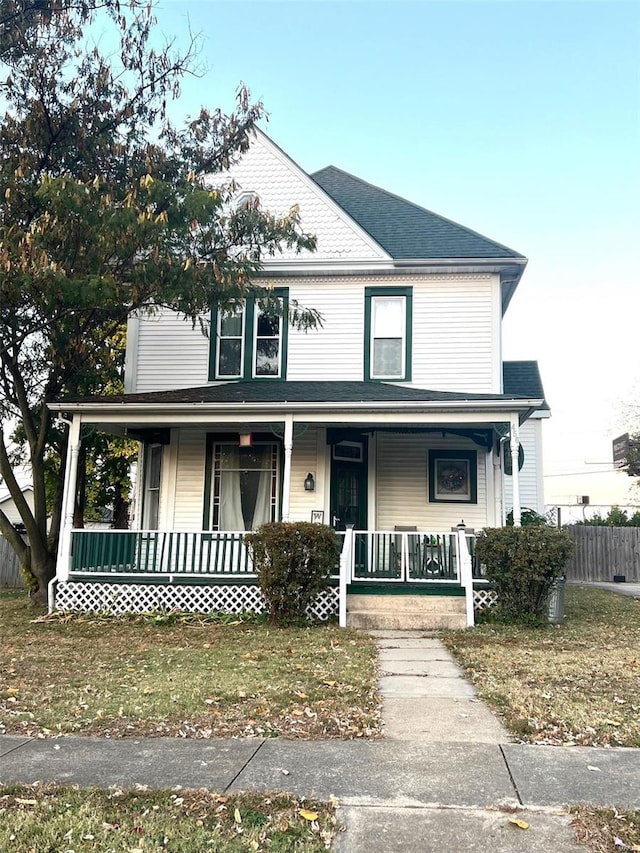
[
  {"x": 148, "y": 598},
  {"x": 484, "y": 598}
]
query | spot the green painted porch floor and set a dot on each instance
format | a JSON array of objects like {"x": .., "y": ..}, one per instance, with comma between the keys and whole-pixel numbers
[{"x": 401, "y": 588}]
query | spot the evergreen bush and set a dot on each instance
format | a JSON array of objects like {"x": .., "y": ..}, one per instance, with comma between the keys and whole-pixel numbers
[
  {"x": 523, "y": 563},
  {"x": 293, "y": 561}
]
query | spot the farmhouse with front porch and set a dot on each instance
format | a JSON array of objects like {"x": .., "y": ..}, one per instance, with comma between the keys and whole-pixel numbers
[{"x": 396, "y": 422}]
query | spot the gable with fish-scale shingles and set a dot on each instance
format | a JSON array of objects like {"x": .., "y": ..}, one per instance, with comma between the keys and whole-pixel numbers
[{"x": 280, "y": 183}]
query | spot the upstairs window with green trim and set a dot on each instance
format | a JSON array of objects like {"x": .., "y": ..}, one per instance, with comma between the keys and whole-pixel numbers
[
  {"x": 387, "y": 331},
  {"x": 250, "y": 342}
]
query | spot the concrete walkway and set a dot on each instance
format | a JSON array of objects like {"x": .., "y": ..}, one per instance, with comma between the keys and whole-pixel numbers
[
  {"x": 444, "y": 777},
  {"x": 429, "y": 705},
  {"x": 632, "y": 589}
]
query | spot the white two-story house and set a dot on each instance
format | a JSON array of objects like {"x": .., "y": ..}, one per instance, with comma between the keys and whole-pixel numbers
[{"x": 398, "y": 418}]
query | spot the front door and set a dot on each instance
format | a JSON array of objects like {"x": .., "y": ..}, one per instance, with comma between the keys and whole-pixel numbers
[
  {"x": 349, "y": 484},
  {"x": 349, "y": 492},
  {"x": 348, "y": 495}
]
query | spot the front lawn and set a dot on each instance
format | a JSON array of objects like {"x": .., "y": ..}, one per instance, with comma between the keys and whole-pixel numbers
[
  {"x": 606, "y": 830},
  {"x": 47, "y": 817},
  {"x": 188, "y": 678},
  {"x": 578, "y": 683}
]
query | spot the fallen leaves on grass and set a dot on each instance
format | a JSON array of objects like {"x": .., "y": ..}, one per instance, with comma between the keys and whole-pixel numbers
[
  {"x": 132, "y": 677},
  {"x": 574, "y": 684},
  {"x": 48, "y": 817},
  {"x": 607, "y": 830}
]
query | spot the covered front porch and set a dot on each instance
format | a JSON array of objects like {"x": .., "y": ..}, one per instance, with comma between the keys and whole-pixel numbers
[
  {"x": 143, "y": 570},
  {"x": 404, "y": 478}
]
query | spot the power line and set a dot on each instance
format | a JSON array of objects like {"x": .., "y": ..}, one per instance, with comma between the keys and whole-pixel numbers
[{"x": 585, "y": 473}]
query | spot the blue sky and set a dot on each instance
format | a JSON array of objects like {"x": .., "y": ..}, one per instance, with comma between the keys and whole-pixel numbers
[{"x": 520, "y": 120}]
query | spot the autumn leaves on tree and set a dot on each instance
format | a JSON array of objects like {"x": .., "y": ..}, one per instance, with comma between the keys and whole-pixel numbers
[{"x": 106, "y": 209}]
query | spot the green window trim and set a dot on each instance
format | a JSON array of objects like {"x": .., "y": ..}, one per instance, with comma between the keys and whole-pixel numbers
[
  {"x": 370, "y": 293},
  {"x": 249, "y": 341}
]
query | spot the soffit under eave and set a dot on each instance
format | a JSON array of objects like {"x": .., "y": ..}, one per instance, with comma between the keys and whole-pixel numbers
[{"x": 210, "y": 420}]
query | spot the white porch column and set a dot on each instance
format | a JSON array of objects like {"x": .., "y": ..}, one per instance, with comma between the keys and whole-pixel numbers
[
  {"x": 69, "y": 495},
  {"x": 498, "y": 487},
  {"x": 286, "y": 476},
  {"x": 514, "y": 446}
]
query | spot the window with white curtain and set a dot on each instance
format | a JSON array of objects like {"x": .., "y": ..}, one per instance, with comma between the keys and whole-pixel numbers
[
  {"x": 244, "y": 486},
  {"x": 387, "y": 337}
]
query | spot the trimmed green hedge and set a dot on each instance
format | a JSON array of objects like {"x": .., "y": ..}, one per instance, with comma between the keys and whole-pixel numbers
[
  {"x": 293, "y": 561},
  {"x": 523, "y": 563}
]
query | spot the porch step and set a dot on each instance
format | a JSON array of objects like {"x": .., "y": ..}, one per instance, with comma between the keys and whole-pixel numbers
[{"x": 423, "y": 612}]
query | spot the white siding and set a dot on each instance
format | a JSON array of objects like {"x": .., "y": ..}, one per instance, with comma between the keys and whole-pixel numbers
[
  {"x": 171, "y": 354},
  {"x": 531, "y": 496},
  {"x": 189, "y": 488},
  {"x": 452, "y": 333},
  {"x": 452, "y": 336},
  {"x": 402, "y": 489},
  {"x": 336, "y": 351},
  {"x": 304, "y": 460},
  {"x": 8, "y": 507}
]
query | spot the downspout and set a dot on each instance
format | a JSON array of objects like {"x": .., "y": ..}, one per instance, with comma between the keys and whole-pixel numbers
[{"x": 51, "y": 600}]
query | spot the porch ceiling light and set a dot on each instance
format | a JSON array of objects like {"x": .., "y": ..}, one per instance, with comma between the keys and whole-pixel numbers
[{"x": 309, "y": 483}]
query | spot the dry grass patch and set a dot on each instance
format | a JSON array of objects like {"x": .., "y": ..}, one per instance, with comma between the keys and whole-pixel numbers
[
  {"x": 166, "y": 677},
  {"x": 39, "y": 818},
  {"x": 578, "y": 683},
  {"x": 606, "y": 830}
]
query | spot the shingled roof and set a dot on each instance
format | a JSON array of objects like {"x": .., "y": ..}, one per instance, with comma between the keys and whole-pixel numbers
[
  {"x": 402, "y": 228},
  {"x": 278, "y": 392},
  {"x": 523, "y": 377}
]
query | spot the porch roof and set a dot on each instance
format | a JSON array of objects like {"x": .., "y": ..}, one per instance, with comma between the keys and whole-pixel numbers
[
  {"x": 270, "y": 394},
  {"x": 523, "y": 377}
]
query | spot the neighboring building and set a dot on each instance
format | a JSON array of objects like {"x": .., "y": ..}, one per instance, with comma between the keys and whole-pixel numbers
[
  {"x": 396, "y": 417},
  {"x": 8, "y": 506}
]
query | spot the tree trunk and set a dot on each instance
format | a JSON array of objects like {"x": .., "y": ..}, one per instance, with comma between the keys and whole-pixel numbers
[
  {"x": 43, "y": 569},
  {"x": 120, "y": 512}
]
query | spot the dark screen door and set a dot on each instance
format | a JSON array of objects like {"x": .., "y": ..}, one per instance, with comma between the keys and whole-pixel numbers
[{"x": 348, "y": 495}]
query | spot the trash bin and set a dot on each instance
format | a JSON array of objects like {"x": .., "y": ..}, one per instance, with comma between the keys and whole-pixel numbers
[{"x": 556, "y": 601}]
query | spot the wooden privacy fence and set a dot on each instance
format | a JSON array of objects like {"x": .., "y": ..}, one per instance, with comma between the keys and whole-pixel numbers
[
  {"x": 602, "y": 552},
  {"x": 10, "y": 574}
]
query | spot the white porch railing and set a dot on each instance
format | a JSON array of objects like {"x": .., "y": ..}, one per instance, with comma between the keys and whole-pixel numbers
[
  {"x": 221, "y": 556},
  {"x": 386, "y": 557},
  {"x": 150, "y": 553},
  {"x": 402, "y": 557}
]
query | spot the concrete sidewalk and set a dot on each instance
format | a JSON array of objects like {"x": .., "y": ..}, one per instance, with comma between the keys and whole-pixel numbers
[
  {"x": 365, "y": 773},
  {"x": 444, "y": 777}
]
